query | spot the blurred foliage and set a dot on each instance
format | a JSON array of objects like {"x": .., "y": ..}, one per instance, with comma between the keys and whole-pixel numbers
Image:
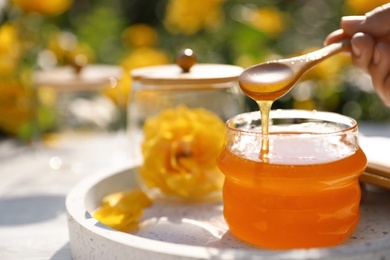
[{"x": 136, "y": 33}]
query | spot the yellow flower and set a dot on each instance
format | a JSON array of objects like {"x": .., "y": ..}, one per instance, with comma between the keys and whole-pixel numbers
[
  {"x": 144, "y": 56},
  {"x": 269, "y": 20},
  {"x": 66, "y": 47},
  {"x": 139, "y": 57},
  {"x": 121, "y": 92},
  {"x": 307, "y": 104},
  {"x": 10, "y": 48},
  {"x": 15, "y": 106},
  {"x": 363, "y": 6},
  {"x": 8, "y": 38},
  {"x": 189, "y": 17},
  {"x": 179, "y": 150},
  {"x": 44, "y": 7},
  {"x": 122, "y": 210},
  {"x": 140, "y": 35}
]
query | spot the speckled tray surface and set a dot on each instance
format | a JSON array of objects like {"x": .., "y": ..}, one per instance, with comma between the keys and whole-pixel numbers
[{"x": 198, "y": 231}]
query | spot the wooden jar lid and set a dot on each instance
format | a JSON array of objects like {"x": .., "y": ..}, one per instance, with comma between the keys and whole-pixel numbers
[
  {"x": 67, "y": 79},
  {"x": 186, "y": 72}
]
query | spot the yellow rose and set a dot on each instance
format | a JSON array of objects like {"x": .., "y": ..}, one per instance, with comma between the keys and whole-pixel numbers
[
  {"x": 138, "y": 57},
  {"x": 44, "y": 7},
  {"x": 140, "y": 35},
  {"x": 10, "y": 48},
  {"x": 188, "y": 17},
  {"x": 66, "y": 47},
  {"x": 144, "y": 56},
  {"x": 179, "y": 150},
  {"x": 269, "y": 20},
  {"x": 120, "y": 94},
  {"x": 15, "y": 106},
  {"x": 360, "y": 7}
]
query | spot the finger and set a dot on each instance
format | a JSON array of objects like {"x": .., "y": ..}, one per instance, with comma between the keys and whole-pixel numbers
[
  {"x": 352, "y": 24},
  {"x": 362, "y": 50},
  {"x": 386, "y": 90},
  {"x": 380, "y": 71},
  {"x": 335, "y": 36},
  {"x": 375, "y": 23}
]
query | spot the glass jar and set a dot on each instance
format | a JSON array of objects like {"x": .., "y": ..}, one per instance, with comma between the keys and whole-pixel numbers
[
  {"x": 307, "y": 193},
  {"x": 176, "y": 123},
  {"x": 80, "y": 117}
]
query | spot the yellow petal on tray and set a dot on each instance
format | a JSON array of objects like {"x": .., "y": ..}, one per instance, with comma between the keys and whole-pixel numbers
[
  {"x": 121, "y": 210},
  {"x": 118, "y": 218},
  {"x": 134, "y": 199}
]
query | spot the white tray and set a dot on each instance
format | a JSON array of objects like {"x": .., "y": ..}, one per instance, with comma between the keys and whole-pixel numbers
[{"x": 198, "y": 231}]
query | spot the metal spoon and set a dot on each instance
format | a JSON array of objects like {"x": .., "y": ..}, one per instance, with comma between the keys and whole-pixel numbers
[{"x": 273, "y": 79}]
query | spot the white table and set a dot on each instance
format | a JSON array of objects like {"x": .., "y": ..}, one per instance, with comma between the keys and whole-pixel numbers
[{"x": 33, "y": 222}]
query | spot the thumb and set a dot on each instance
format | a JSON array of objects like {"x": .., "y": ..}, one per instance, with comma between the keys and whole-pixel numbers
[{"x": 376, "y": 22}]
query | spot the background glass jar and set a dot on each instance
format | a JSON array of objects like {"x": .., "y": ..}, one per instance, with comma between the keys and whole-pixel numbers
[
  {"x": 80, "y": 121},
  {"x": 307, "y": 193},
  {"x": 176, "y": 125}
]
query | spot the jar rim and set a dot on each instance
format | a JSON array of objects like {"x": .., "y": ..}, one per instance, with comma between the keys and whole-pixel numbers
[{"x": 350, "y": 124}]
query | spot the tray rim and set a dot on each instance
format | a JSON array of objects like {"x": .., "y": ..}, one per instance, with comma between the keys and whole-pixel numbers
[{"x": 77, "y": 211}]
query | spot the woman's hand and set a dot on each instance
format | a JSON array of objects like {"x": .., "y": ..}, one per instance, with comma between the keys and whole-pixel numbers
[{"x": 370, "y": 41}]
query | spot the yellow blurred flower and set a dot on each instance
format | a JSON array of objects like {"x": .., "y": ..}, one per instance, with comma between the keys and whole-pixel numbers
[
  {"x": 363, "y": 6},
  {"x": 189, "y": 17},
  {"x": 139, "y": 57},
  {"x": 15, "y": 106},
  {"x": 44, "y": 7},
  {"x": 10, "y": 49},
  {"x": 307, "y": 104},
  {"x": 121, "y": 210},
  {"x": 179, "y": 150},
  {"x": 66, "y": 47},
  {"x": 268, "y": 19},
  {"x": 144, "y": 56},
  {"x": 121, "y": 92},
  {"x": 140, "y": 35}
]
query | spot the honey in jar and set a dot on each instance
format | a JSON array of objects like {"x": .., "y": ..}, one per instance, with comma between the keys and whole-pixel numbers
[{"x": 306, "y": 193}]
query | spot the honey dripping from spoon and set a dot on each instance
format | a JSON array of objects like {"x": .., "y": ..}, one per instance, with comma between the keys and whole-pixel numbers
[{"x": 268, "y": 81}]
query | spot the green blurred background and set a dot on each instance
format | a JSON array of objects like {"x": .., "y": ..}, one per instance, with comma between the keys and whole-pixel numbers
[{"x": 41, "y": 34}]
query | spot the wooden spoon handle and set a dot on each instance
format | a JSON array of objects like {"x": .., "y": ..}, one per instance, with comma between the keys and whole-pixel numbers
[
  {"x": 334, "y": 48},
  {"x": 309, "y": 60}
]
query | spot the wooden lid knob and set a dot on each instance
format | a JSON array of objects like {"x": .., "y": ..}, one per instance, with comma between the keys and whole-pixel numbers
[
  {"x": 78, "y": 62},
  {"x": 186, "y": 59}
]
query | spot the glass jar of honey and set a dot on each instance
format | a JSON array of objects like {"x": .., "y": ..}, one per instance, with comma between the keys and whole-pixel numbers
[
  {"x": 306, "y": 194},
  {"x": 176, "y": 124}
]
